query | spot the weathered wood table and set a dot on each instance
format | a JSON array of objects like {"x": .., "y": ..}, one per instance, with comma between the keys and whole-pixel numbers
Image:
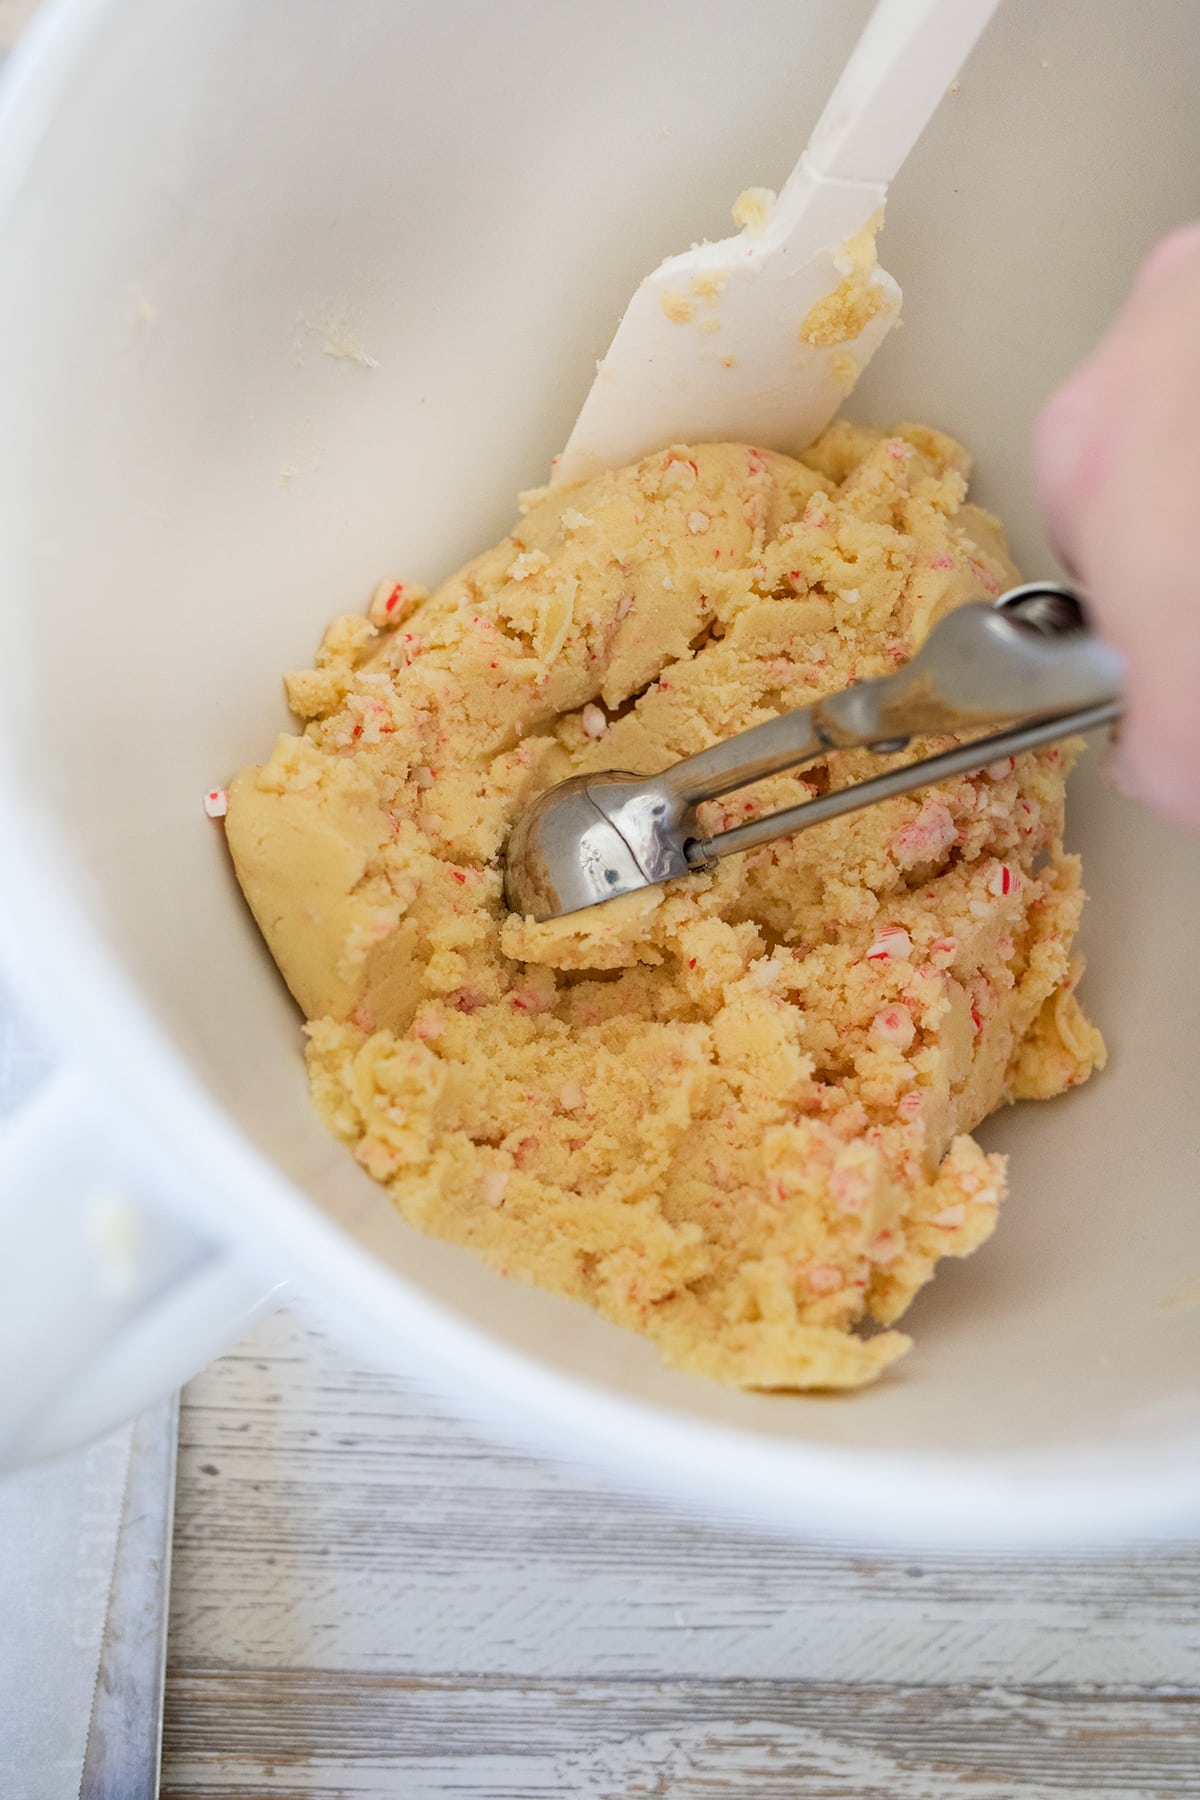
[{"x": 370, "y": 1598}]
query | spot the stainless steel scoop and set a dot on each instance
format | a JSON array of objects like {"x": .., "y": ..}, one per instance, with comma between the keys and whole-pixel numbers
[{"x": 1028, "y": 662}]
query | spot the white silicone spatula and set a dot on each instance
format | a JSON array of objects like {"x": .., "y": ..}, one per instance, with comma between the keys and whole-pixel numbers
[{"x": 722, "y": 342}]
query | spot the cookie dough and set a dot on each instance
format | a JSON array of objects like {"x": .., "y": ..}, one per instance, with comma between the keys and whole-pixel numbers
[{"x": 731, "y": 1113}]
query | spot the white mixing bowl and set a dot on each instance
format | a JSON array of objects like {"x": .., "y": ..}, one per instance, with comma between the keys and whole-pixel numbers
[{"x": 197, "y": 198}]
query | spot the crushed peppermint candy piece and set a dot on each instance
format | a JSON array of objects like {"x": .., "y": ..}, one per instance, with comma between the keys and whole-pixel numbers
[
  {"x": 571, "y": 1096},
  {"x": 1003, "y": 765},
  {"x": 986, "y": 580},
  {"x": 887, "y": 1248},
  {"x": 1004, "y": 881},
  {"x": 697, "y": 522},
  {"x": 823, "y": 1278},
  {"x": 949, "y": 1217},
  {"x": 894, "y": 1025},
  {"x": 892, "y": 941},
  {"x": 680, "y": 472},
  {"x": 909, "y": 1105},
  {"x": 393, "y": 601},
  {"x": 423, "y": 776},
  {"x": 850, "y": 1185},
  {"x": 216, "y": 802},
  {"x": 494, "y": 1183},
  {"x": 593, "y": 720},
  {"x": 926, "y": 837}
]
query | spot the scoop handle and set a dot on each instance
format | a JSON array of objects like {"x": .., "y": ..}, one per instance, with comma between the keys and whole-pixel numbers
[
  {"x": 982, "y": 665},
  {"x": 964, "y": 759}
]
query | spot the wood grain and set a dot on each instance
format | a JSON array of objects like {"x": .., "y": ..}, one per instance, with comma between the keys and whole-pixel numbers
[
  {"x": 689, "y": 1740},
  {"x": 371, "y": 1598}
]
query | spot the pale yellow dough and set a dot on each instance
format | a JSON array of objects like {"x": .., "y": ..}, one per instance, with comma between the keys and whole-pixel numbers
[{"x": 730, "y": 1113}]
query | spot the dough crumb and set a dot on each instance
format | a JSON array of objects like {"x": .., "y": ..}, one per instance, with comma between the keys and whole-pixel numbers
[
  {"x": 676, "y": 307},
  {"x": 338, "y": 338},
  {"x": 753, "y": 208},
  {"x": 839, "y": 316},
  {"x": 844, "y": 370},
  {"x": 707, "y": 284}
]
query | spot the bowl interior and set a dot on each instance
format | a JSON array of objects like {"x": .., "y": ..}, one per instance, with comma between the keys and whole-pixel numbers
[{"x": 299, "y": 295}]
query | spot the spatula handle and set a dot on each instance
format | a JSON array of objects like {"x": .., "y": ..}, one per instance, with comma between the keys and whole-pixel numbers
[{"x": 907, "y": 56}]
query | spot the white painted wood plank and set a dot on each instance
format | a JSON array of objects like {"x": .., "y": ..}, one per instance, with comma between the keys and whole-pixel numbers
[
  {"x": 371, "y": 1737},
  {"x": 333, "y": 1518}
]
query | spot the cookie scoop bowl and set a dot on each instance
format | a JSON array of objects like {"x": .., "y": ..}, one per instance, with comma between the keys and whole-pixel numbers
[{"x": 295, "y": 299}]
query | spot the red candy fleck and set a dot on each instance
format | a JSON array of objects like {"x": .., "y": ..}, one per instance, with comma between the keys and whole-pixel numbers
[{"x": 458, "y": 875}]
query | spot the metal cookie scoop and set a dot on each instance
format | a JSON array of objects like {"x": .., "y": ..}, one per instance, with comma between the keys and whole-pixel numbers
[{"x": 1028, "y": 658}]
